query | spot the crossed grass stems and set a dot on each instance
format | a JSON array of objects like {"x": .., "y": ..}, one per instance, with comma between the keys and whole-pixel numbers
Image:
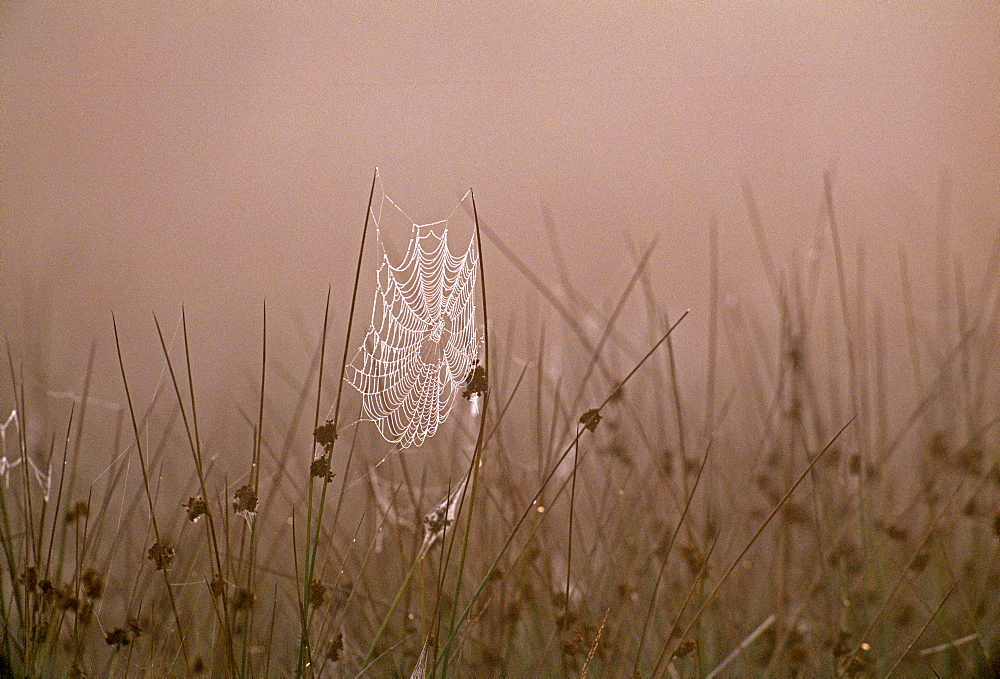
[{"x": 36, "y": 613}]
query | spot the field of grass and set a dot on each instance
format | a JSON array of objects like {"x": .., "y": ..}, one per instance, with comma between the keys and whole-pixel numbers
[{"x": 799, "y": 512}]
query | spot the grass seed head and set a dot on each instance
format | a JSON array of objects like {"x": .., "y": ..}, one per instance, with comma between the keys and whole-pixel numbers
[
  {"x": 122, "y": 636},
  {"x": 66, "y": 600},
  {"x": 320, "y": 468},
  {"x": 591, "y": 419},
  {"x": 326, "y": 435},
  {"x": 476, "y": 383},
  {"x": 196, "y": 508},
  {"x": 920, "y": 561},
  {"x": 245, "y": 500},
  {"x": 317, "y": 593},
  {"x": 937, "y": 446},
  {"x": 243, "y": 599},
  {"x": 896, "y": 532},
  {"x": 686, "y": 648},
  {"x": 93, "y": 584},
  {"x": 161, "y": 554},
  {"x": 29, "y": 578},
  {"x": 117, "y": 637},
  {"x": 79, "y": 510},
  {"x": 335, "y": 651},
  {"x": 48, "y": 591}
]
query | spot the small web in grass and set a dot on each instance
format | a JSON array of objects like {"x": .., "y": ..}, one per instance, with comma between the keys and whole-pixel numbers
[
  {"x": 423, "y": 342},
  {"x": 44, "y": 479}
]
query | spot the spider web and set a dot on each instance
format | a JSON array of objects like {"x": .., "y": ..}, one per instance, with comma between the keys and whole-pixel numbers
[{"x": 423, "y": 341}]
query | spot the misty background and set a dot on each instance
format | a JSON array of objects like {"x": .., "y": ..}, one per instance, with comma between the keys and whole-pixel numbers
[{"x": 214, "y": 154}]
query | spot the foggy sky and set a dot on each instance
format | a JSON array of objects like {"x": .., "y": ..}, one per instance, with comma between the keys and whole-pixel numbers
[{"x": 214, "y": 153}]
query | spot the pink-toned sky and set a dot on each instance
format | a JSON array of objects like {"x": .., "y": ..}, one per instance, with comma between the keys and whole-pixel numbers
[{"x": 217, "y": 153}]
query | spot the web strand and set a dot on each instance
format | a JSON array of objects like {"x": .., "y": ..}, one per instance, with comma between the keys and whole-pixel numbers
[{"x": 423, "y": 341}]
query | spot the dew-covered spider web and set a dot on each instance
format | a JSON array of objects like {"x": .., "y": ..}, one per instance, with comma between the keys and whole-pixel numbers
[{"x": 423, "y": 341}]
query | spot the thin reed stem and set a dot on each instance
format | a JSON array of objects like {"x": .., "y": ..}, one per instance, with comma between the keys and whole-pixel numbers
[
  {"x": 149, "y": 497},
  {"x": 314, "y": 533}
]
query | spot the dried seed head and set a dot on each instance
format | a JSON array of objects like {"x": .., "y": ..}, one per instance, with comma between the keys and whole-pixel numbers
[
  {"x": 242, "y": 599},
  {"x": 317, "y": 593},
  {"x": 920, "y": 561},
  {"x": 118, "y": 637},
  {"x": 161, "y": 554},
  {"x": 693, "y": 557},
  {"x": 79, "y": 510},
  {"x": 66, "y": 600},
  {"x": 591, "y": 419},
  {"x": 196, "y": 508},
  {"x": 686, "y": 648},
  {"x": 30, "y": 578},
  {"x": 93, "y": 584},
  {"x": 854, "y": 465},
  {"x": 832, "y": 457},
  {"x": 896, "y": 533},
  {"x": 476, "y": 383},
  {"x": 336, "y": 649},
  {"x": 937, "y": 446},
  {"x": 48, "y": 591},
  {"x": 320, "y": 468},
  {"x": 326, "y": 435},
  {"x": 245, "y": 500}
]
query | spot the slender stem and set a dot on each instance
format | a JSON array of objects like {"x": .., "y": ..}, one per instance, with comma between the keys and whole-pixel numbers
[
  {"x": 314, "y": 534},
  {"x": 255, "y": 481},
  {"x": 923, "y": 629},
  {"x": 304, "y": 654},
  {"x": 477, "y": 452},
  {"x": 542, "y": 486},
  {"x": 214, "y": 563},
  {"x": 851, "y": 337},
  {"x": 149, "y": 497},
  {"x": 763, "y": 525},
  {"x": 569, "y": 541},
  {"x": 666, "y": 558}
]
